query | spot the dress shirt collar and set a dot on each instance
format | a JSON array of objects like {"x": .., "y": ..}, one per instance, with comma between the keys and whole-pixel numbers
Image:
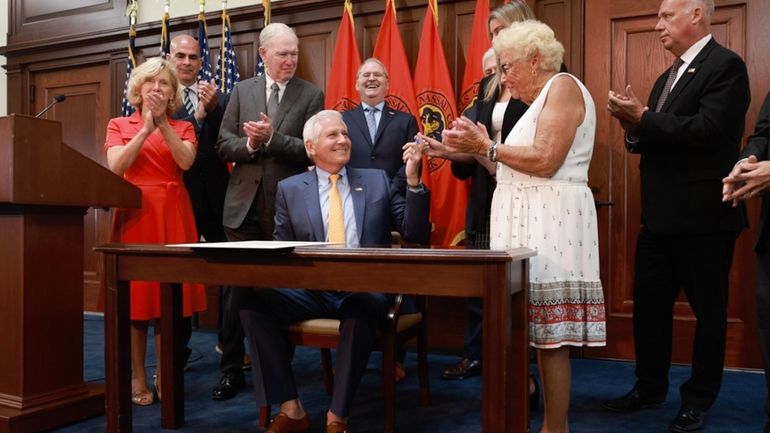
[
  {"x": 689, "y": 55},
  {"x": 323, "y": 176},
  {"x": 380, "y": 106}
]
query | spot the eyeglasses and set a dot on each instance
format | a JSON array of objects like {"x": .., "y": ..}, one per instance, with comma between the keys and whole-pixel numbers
[{"x": 373, "y": 75}]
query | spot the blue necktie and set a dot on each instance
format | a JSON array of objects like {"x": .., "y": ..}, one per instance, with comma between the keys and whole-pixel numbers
[{"x": 371, "y": 122}]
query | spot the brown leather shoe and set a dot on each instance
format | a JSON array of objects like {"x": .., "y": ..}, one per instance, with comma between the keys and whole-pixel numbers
[
  {"x": 336, "y": 427},
  {"x": 283, "y": 424},
  {"x": 462, "y": 370}
]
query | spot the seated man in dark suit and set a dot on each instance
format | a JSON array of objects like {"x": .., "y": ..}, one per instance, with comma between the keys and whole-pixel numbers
[{"x": 337, "y": 203}]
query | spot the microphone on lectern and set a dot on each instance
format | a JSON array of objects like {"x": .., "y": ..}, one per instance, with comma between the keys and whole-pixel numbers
[{"x": 56, "y": 99}]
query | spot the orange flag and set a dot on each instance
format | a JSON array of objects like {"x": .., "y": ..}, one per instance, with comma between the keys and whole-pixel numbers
[
  {"x": 479, "y": 44},
  {"x": 436, "y": 102},
  {"x": 341, "y": 93},
  {"x": 389, "y": 49}
]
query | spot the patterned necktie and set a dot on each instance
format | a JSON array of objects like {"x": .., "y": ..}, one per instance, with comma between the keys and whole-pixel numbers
[
  {"x": 272, "y": 103},
  {"x": 669, "y": 83},
  {"x": 188, "y": 104},
  {"x": 371, "y": 122},
  {"x": 336, "y": 230}
]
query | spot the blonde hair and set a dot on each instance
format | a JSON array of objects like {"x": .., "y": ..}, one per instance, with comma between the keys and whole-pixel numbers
[
  {"x": 527, "y": 39},
  {"x": 152, "y": 68},
  {"x": 507, "y": 14}
]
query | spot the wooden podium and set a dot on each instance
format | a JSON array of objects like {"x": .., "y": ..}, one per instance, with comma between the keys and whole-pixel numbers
[{"x": 45, "y": 190}]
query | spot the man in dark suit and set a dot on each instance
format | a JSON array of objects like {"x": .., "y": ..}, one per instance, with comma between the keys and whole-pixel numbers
[
  {"x": 378, "y": 132},
  {"x": 749, "y": 178},
  {"x": 688, "y": 138},
  {"x": 260, "y": 133},
  {"x": 206, "y": 180},
  {"x": 338, "y": 203}
]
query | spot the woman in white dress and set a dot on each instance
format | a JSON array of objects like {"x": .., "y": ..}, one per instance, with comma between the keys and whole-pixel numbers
[{"x": 542, "y": 201}]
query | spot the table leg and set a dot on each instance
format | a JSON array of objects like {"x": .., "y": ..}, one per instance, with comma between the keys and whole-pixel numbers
[
  {"x": 117, "y": 350},
  {"x": 172, "y": 354}
]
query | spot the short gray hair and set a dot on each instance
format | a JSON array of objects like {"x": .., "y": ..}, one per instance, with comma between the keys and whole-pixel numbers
[
  {"x": 528, "y": 38},
  {"x": 487, "y": 55},
  {"x": 274, "y": 30},
  {"x": 371, "y": 60},
  {"x": 313, "y": 125},
  {"x": 707, "y": 6}
]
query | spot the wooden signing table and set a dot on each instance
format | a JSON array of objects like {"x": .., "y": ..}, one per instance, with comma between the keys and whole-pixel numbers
[{"x": 499, "y": 277}]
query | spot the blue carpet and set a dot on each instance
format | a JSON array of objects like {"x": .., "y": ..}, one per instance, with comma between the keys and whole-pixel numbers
[{"x": 455, "y": 405}]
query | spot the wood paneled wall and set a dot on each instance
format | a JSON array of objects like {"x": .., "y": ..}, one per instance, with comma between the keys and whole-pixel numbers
[{"x": 49, "y": 35}]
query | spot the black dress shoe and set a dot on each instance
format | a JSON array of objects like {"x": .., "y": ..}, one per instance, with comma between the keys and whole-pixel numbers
[
  {"x": 463, "y": 369},
  {"x": 633, "y": 401},
  {"x": 228, "y": 387},
  {"x": 688, "y": 419}
]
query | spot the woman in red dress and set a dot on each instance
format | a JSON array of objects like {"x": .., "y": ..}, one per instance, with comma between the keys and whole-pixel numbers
[{"x": 151, "y": 150}]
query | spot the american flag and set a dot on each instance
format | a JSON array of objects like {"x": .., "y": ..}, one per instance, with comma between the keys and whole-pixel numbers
[
  {"x": 205, "y": 73},
  {"x": 125, "y": 108},
  {"x": 259, "y": 70},
  {"x": 227, "y": 67},
  {"x": 165, "y": 36}
]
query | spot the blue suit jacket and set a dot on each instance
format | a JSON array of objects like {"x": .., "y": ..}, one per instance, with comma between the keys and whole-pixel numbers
[{"x": 377, "y": 208}]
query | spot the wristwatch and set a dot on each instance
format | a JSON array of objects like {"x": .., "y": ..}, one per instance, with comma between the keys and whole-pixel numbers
[
  {"x": 492, "y": 152},
  {"x": 420, "y": 187}
]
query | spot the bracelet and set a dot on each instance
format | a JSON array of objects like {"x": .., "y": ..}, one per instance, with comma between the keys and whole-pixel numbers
[{"x": 492, "y": 152}]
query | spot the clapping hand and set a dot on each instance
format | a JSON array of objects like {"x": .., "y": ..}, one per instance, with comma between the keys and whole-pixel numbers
[{"x": 747, "y": 179}]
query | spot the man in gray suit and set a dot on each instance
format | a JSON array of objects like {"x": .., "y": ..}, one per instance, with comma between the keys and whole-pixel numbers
[{"x": 261, "y": 133}]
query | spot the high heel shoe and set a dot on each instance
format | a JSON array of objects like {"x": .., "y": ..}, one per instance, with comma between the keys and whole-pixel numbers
[
  {"x": 155, "y": 384},
  {"x": 142, "y": 398},
  {"x": 534, "y": 394}
]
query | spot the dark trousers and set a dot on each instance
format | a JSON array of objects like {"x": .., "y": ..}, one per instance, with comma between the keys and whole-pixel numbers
[
  {"x": 666, "y": 264},
  {"x": 763, "y": 315},
  {"x": 254, "y": 227},
  {"x": 265, "y": 317}
]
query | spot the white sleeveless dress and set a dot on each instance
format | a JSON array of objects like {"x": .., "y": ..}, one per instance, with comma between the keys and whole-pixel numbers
[{"x": 555, "y": 216}]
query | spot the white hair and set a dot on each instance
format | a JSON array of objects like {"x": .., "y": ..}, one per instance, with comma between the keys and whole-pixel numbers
[{"x": 274, "y": 30}]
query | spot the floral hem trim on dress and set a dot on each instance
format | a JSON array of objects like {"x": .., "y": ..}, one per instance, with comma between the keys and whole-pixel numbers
[{"x": 567, "y": 313}]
